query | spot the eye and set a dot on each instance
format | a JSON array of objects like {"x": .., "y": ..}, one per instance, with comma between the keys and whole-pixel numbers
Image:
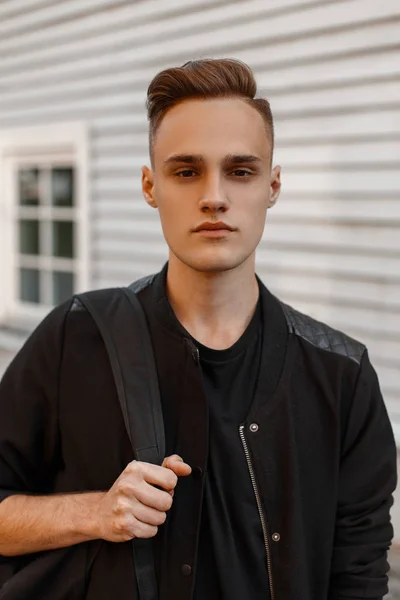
[
  {"x": 185, "y": 173},
  {"x": 241, "y": 173}
]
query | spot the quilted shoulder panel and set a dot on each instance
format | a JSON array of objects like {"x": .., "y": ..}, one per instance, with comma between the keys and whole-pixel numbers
[
  {"x": 142, "y": 283},
  {"x": 322, "y": 336}
]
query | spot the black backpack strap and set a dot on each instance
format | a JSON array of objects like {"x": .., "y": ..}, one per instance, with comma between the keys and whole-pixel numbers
[{"x": 120, "y": 319}]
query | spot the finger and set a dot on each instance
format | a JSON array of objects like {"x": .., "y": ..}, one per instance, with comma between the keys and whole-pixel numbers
[
  {"x": 149, "y": 516},
  {"x": 173, "y": 457},
  {"x": 154, "y": 474},
  {"x": 143, "y": 530},
  {"x": 175, "y": 463},
  {"x": 181, "y": 469},
  {"x": 152, "y": 497}
]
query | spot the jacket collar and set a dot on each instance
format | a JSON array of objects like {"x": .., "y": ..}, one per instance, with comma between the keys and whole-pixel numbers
[{"x": 275, "y": 330}]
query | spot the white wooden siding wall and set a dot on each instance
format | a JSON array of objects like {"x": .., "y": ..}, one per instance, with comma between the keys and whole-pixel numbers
[{"x": 331, "y": 70}]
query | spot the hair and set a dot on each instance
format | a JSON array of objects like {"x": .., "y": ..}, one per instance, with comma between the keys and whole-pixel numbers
[{"x": 205, "y": 79}]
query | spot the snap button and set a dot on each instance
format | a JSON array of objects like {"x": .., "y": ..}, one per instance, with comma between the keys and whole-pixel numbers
[
  {"x": 253, "y": 427},
  {"x": 276, "y": 537},
  {"x": 186, "y": 570},
  {"x": 197, "y": 472}
]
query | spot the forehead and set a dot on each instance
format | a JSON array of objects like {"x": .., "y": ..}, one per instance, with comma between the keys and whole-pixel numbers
[{"x": 212, "y": 128}]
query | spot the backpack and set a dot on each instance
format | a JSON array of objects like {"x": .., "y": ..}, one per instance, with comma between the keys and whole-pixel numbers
[{"x": 134, "y": 371}]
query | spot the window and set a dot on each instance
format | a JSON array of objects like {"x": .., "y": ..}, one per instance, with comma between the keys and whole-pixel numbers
[{"x": 45, "y": 225}]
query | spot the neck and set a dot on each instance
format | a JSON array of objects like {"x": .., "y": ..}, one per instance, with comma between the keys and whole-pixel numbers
[{"x": 215, "y": 308}]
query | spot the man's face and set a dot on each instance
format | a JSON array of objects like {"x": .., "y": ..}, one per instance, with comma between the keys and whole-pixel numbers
[{"x": 212, "y": 167}]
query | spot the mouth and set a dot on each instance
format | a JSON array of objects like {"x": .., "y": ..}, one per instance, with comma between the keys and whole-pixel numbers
[{"x": 216, "y": 228}]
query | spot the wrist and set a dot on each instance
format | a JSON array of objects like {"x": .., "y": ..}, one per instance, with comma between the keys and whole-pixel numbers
[{"x": 88, "y": 515}]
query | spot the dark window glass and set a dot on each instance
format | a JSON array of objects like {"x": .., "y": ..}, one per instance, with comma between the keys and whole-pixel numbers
[
  {"x": 28, "y": 181},
  {"x": 63, "y": 286},
  {"x": 63, "y": 239},
  {"x": 29, "y": 236},
  {"x": 62, "y": 187},
  {"x": 29, "y": 285}
]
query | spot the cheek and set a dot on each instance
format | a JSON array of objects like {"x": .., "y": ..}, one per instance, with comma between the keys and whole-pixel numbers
[
  {"x": 174, "y": 215},
  {"x": 253, "y": 210}
]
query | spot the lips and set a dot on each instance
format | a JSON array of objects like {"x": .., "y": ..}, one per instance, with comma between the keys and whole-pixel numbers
[{"x": 220, "y": 226}]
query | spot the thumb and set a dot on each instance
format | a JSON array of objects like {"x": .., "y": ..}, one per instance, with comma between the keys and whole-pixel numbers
[{"x": 176, "y": 464}]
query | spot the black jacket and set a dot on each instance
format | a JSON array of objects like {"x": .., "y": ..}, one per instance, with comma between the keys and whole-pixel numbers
[{"x": 321, "y": 448}]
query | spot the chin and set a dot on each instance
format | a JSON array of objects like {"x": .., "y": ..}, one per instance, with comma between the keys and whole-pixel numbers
[{"x": 215, "y": 262}]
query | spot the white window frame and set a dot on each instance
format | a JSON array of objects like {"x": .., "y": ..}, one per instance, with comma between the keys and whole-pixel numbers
[{"x": 61, "y": 143}]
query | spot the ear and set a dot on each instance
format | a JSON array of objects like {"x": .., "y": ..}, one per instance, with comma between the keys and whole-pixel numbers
[
  {"x": 275, "y": 186},
  {"x": 148, "y": 186}
]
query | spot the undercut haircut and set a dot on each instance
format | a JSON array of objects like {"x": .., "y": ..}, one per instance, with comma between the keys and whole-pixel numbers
[{"x": 205, "y": 79}]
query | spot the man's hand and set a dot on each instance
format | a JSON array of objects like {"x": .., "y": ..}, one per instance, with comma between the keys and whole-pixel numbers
[{"x": 135, "y": 506}]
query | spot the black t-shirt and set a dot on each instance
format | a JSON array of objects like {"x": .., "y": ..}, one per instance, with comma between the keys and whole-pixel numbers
[{"x": 231, "y": 556}]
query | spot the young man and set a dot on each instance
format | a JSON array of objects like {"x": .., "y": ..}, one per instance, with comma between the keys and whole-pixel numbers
[{"x": 275, "y": 425}]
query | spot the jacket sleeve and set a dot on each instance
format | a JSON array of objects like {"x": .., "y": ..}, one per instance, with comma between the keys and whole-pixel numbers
[
  {"x": 29, "y": 441},
  {"x": 366, "y": 482}
]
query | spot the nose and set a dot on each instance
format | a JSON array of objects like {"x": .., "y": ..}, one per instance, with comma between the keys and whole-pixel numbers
[{"x": 213, "y": 198}]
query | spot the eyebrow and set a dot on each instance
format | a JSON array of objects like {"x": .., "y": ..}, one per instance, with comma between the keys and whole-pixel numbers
[{"x": 199, "y": 159}]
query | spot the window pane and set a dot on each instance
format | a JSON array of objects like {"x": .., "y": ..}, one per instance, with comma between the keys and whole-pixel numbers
[
  {"x": 62, "y": 186},
  {"x": 29, "y": 285},
  {"x": 63, "y": 286},
  {"x": 63, "y": 239},
  {"x": 28, "y": 180},
  {"x": 29, "y": 236}
]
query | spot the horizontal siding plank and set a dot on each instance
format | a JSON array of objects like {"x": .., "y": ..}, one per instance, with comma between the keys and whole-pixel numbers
[
  {"x": 336, "y": 100},
  {"x": 368, "y": 123},
  {"x": 392, "y": 402},
  {"x": 391, "y": 379},
  {"x": 281, "y": 255},
  {"x": 366, "y": 153},
  {"x": 350, "y": 207},
  {"x": 342, "y": 182}
]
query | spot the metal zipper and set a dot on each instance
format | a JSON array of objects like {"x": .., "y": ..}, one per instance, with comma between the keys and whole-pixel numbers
[{"x": 260, "y": 509}]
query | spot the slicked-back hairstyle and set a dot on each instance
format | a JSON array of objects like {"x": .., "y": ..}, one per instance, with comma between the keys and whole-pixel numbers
[{"x": 205, "y": 79}]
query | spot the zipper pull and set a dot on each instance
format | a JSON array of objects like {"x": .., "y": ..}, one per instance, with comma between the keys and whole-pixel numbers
[{"x": 193, "y": 349}]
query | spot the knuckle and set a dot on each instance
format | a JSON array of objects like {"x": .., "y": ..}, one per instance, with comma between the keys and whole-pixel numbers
[
  {"x": 141, "y": 530},
  {"x": 162, "y": 518},
  {"x": 172, "y": 480},
  {"x": 119, "y": 526},
  {"x": 126, "y": 487},
  {"x": 151, "y": 531},
  {"x": 167, "y": 502},
  {"x": 119, "y": 507},
  {"x": 135, "y": 466}
]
